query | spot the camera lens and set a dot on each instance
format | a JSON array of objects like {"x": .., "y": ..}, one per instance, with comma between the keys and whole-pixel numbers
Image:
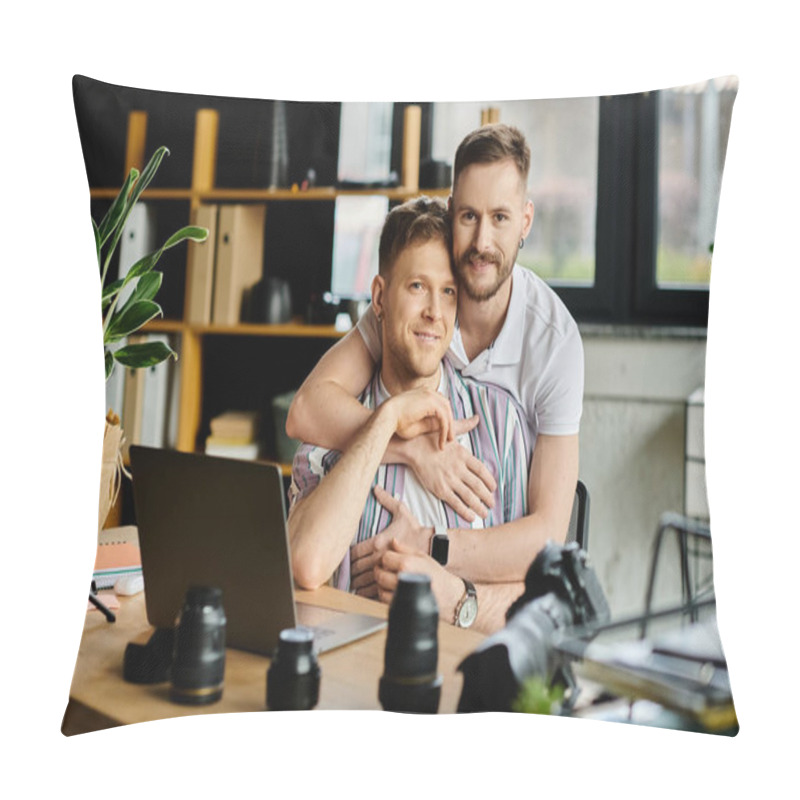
[
  {"x": 410, "y": 682},
  {"x": 198, "y": 659},
  {"x": 294, "y": 674}
]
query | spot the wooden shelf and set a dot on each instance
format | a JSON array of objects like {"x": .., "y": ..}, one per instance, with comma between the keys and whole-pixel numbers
[
  {"x": 295, "y": 329},
  {"x": 323, "y": 193},
  {"x": 320, "y": 193},
  {"x": 290, "y": 329},
  {"x": 165, "y": 326},
  {"x": 148, "y": 194}
]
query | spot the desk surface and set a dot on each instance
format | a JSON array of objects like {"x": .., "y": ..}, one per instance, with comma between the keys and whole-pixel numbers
[{"x": 100, "y": 698}]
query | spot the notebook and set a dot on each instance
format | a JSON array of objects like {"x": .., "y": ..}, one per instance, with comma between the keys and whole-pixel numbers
[
  {"x": 206, "y": 520},
  {"x": 117, "y": 555}
]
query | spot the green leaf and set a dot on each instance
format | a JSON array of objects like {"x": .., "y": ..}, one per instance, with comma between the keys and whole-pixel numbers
[
  {"x": 193, "y": 232},
  {"x": 130, "y": 319},
  {"x": 129, "y": 200},
  {"x": 146, "y": 263},
  {"x": 146, "y": 354},
  {"x": 109, "y": 364},
  {"x": 537, "y": 697},
  {"x": 148, "y": 173},
  {"x": 114, "y": 214},
  {"x": 97, "y": 245},
  {"x": 142, "y": 266},
  {"x": 109, "y": 292},
  {"x": 147, "y": 287}
]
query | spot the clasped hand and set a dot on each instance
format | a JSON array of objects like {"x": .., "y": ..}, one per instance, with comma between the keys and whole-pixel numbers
[
  {"x": 366, "y": 555},
  {"x": 445, "y": 468},
  {"x": 401, "y": 547}
]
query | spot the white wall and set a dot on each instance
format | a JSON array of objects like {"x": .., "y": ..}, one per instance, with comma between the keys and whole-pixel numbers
[{"x": 632, "y": 447}]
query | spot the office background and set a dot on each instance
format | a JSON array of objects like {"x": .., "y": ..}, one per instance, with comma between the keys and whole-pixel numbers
[{"x": 747, "y": 476}]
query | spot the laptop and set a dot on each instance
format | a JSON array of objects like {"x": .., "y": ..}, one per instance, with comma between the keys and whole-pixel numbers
[{"x": 212, "y": 521}]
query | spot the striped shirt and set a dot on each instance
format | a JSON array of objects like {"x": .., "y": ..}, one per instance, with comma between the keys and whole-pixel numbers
[{"x": 499, "y": 441}]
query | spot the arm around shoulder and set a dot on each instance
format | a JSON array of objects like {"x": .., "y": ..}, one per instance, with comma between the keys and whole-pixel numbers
[{"x": 325, "y": 409}]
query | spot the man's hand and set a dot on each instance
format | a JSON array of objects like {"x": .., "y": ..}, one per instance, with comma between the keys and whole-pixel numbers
[
  {"x": 404, "y": 528},
  {"x": 454, "y": 475},
  {"x": 447, "y": 588},
  {"x": 419, "y": 411}
]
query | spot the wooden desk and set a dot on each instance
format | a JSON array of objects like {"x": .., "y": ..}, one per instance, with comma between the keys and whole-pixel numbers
[{"x": 100, "y": 698}]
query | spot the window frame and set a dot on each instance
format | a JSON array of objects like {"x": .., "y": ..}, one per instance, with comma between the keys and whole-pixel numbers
[{"x": 625, "y": 290}]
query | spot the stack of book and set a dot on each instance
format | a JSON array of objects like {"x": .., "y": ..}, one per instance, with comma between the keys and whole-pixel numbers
[{"x": 234, "y": 434}]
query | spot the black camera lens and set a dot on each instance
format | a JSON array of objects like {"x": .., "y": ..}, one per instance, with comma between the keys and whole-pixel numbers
[
  {"x": 198, "y": 658},
  {"x": 410, "y": 682},
  {"x": 294, "y": 674}
]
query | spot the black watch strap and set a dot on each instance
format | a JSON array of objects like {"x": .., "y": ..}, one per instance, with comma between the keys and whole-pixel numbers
[{"x": 440, "y": 544}]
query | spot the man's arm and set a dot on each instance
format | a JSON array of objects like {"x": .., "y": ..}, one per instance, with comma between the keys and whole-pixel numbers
[
  {"x": 326, "y": 412},
  {"x": 493, "y": 599},
  {"x": 321, "y": 525},
  {"x": 504, "y": 552},
  {"x": 501, "y": 553}
]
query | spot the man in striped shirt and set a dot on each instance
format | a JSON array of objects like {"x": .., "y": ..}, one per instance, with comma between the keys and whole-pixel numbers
[{"x": 360, "y": 498}]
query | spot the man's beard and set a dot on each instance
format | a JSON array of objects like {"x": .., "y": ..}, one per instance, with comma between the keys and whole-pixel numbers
[{"x": 503, "y": 271}]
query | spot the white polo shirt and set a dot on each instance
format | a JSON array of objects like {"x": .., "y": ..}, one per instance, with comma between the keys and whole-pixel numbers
[{"x": 537, "y": 356}]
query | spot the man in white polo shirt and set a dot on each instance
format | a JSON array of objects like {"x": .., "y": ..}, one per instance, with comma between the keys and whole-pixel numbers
[{"x": 512, "y": 331}]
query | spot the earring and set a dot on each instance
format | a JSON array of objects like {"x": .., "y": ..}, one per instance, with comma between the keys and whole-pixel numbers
[{"x": 521, "y": 243}]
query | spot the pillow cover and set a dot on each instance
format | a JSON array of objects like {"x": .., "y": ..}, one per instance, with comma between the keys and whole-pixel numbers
[{"x": 642, "y": 322}]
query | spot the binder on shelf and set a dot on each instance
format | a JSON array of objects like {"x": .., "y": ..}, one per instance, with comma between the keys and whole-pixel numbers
[
  {"x": 154, "y": 400},
  {"x": 174, "y": 395},
  {"x": 200, "y": 268},
  {"x": 150, "y": 400},
  {"x": 132, "y": 403},
  {"x": 239, "y": 258},
  {"x": 138, "y": 239}
]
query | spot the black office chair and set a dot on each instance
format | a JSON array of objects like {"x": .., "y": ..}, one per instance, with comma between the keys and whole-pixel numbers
[{"x": 578, "y": 530}]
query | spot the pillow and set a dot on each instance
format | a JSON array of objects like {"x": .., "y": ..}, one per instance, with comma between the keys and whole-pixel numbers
[{"x": 278, "y": 165}]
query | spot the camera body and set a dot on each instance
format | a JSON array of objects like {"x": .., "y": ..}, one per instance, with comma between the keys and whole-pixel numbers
[
  {"x": 566, "y": 572},
  {"x": 561, "y": 591}
]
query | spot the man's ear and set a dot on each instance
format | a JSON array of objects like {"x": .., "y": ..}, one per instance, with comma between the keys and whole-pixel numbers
[
  {"x": 378, "y": 289},
  {"x": 527, "y": 216}
]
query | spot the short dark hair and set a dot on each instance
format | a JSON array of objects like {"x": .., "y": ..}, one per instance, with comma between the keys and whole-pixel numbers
[
  {"x": 415, "y": 221},
  {"x": 491, "y": 143}
]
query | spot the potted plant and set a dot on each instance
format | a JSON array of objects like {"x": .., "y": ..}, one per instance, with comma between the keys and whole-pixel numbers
[{"x": 122, "y": 318}]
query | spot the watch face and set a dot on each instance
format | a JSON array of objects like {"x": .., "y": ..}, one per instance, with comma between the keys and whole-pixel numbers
[
  {"x": 440, "y": 547},
  {"x": 468, "y": 612}
]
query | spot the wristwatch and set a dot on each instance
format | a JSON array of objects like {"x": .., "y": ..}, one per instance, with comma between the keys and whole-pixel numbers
[
  {"x": 440, "y": 544},
  {"x": 467, "y": 608}
]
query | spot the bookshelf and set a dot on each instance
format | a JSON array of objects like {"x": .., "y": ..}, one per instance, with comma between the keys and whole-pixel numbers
[{"x": 195, "y": 339}]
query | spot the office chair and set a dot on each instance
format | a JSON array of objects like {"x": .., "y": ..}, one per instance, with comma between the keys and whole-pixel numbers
[{"x": 578, "y": 530}]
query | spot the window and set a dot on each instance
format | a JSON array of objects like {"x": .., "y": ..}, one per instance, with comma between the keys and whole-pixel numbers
[
  {"x": 626, "y": 190},
  {"x": 693, "y": 133}
]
